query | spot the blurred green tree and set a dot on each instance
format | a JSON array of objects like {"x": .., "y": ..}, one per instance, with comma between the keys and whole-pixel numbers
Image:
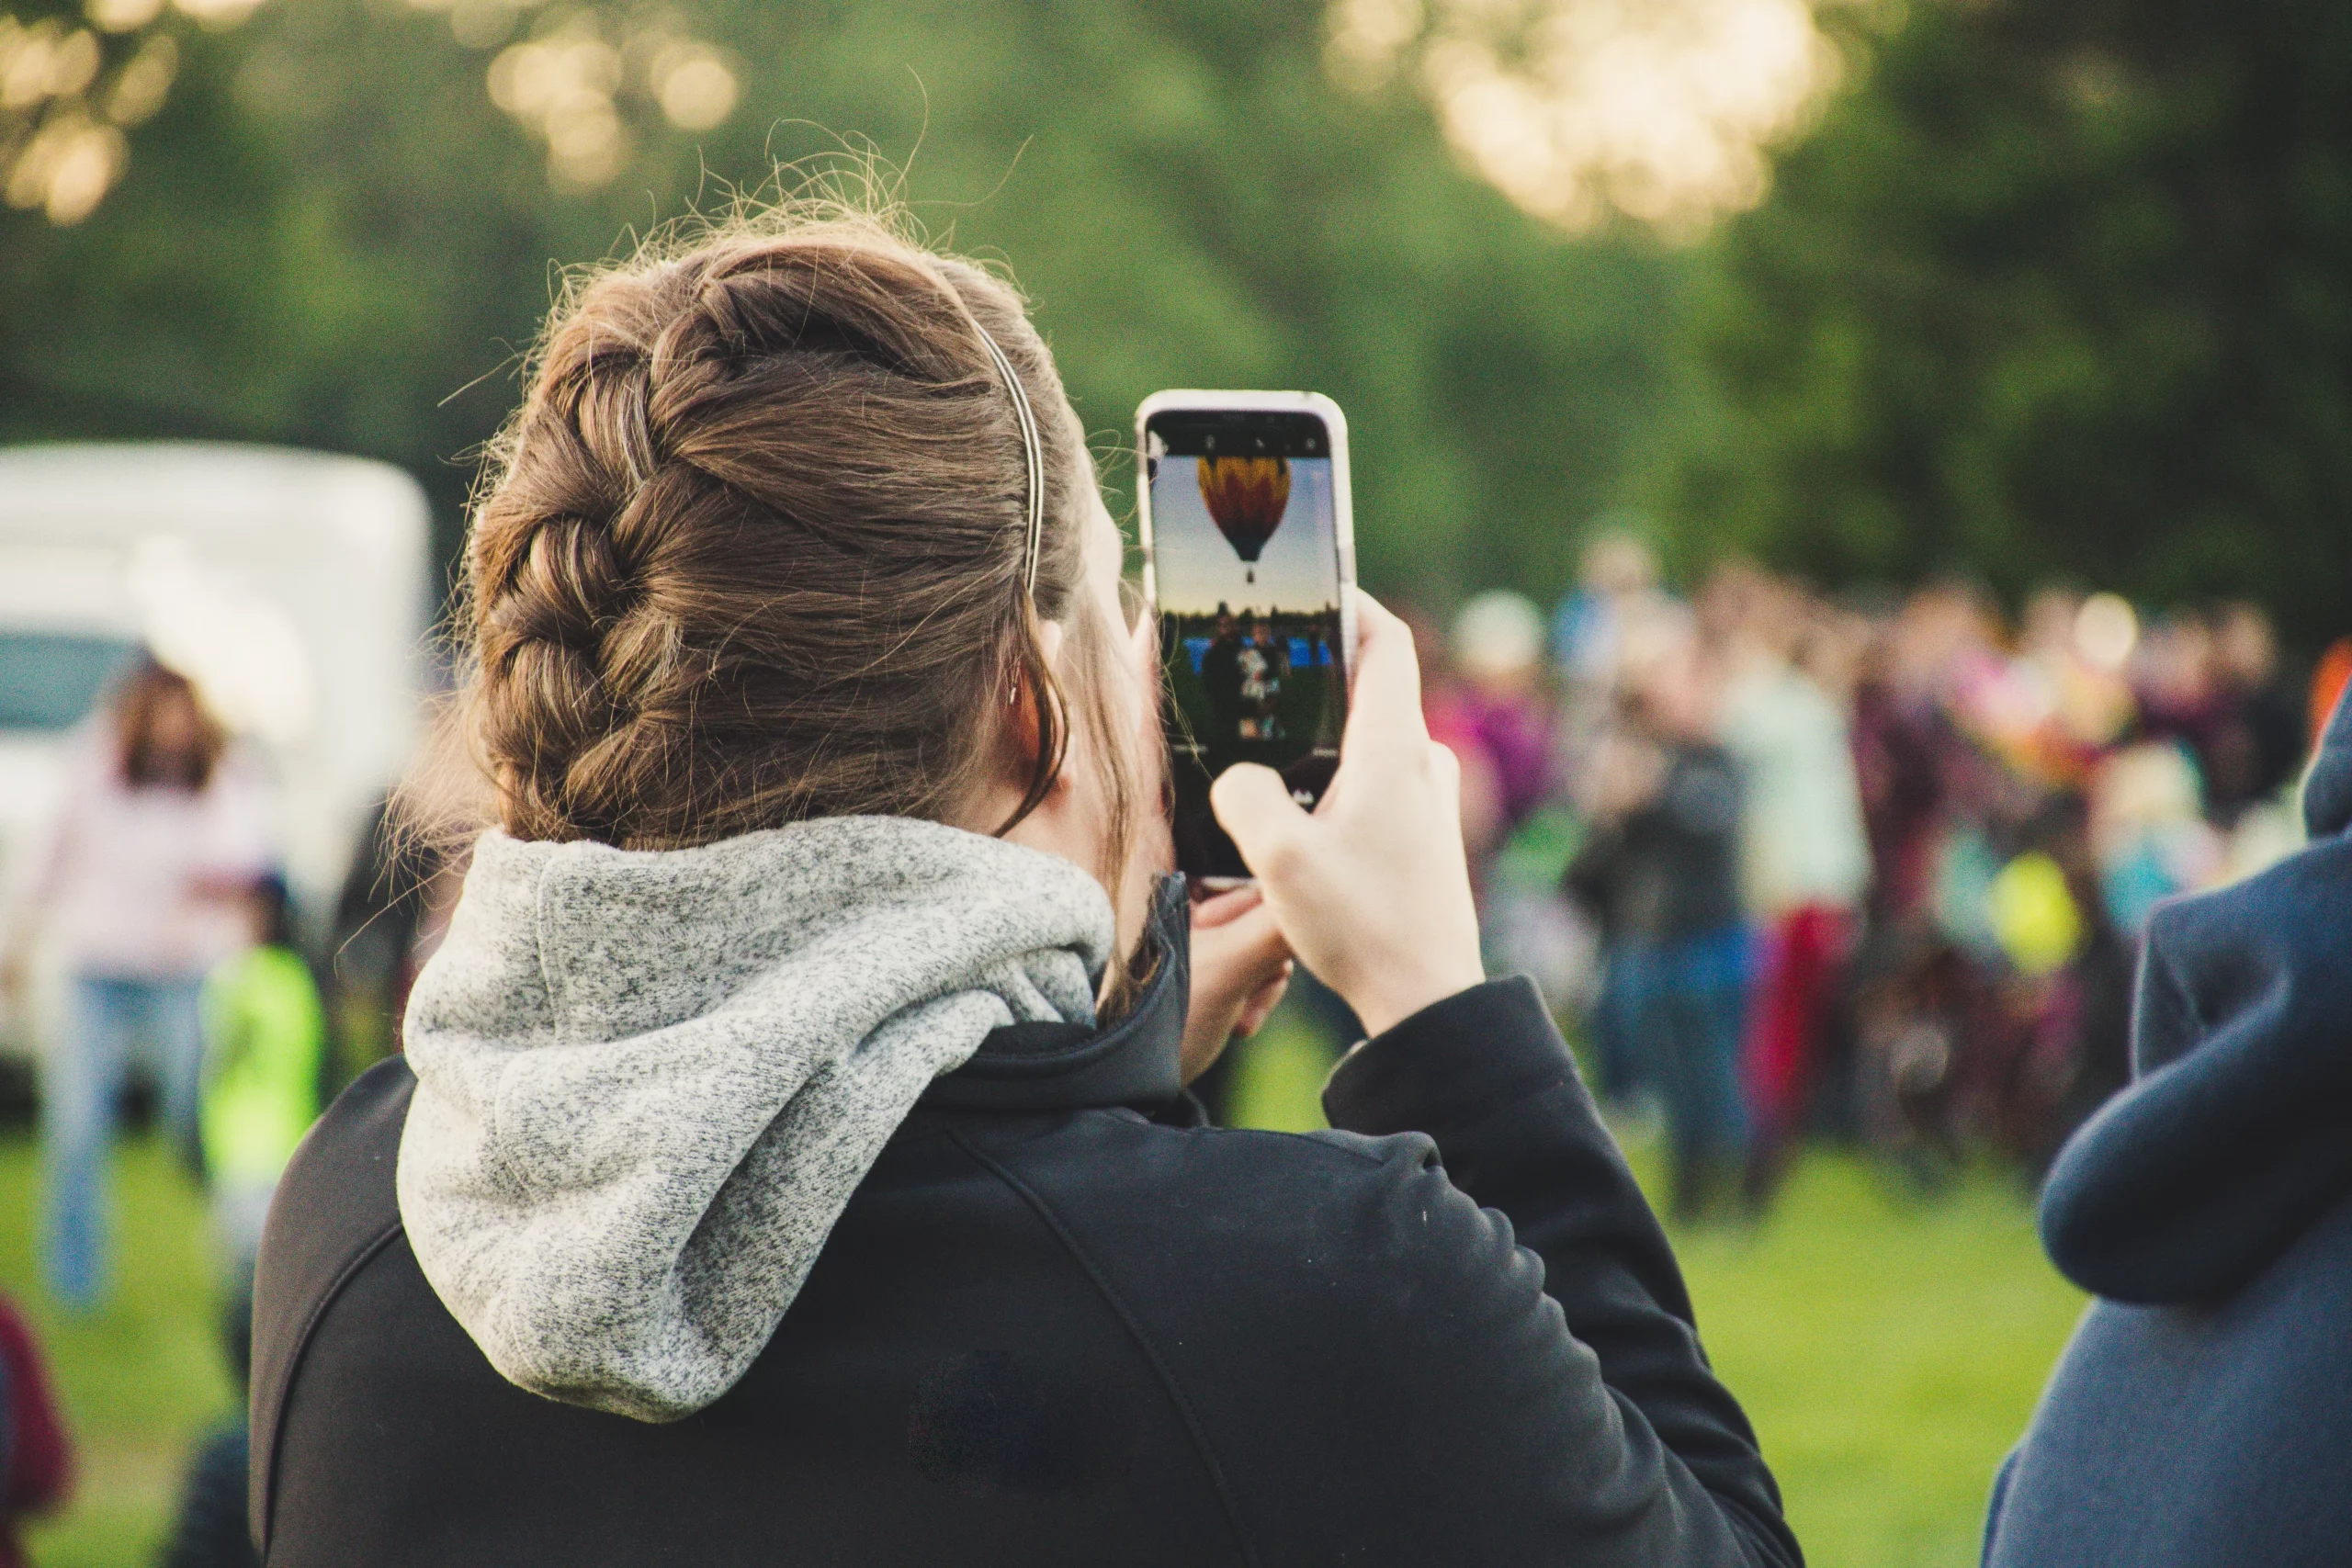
[
  {"x": 330, "y": 235},
  {"x": 2057, "y": 287}
]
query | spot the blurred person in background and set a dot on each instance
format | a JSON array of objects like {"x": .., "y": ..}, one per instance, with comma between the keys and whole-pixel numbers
[
  {"x": 36, "y": 1455},
  {"x": 2068, "y": 999},
  {"x": 1659, "y": 870},
  {"x": 266, "y": 1056},
  {"x": 1617, "y": 584},
  {"x": 1804, "y": 854},
  {"x": 1929, "y": 795},
  {"x": 2150, "y": 831},
  {"x": 1597, "y": 732},
  {"x": 2260, "y": 746},
  {"x": 1451, "y": 710},
  {"x": 2201, "y": 1416},
  {"x": 1907, "y": 748},
  {"x": 2177, "y": 677},
  {"x": 266, "y": 1052},
  {"x": 1503, "y": 725},
  {"x": 1501, "y": 708},
  {"x": 2018, "y": 899},
  {"x": 164, "y": 826},
  {"x": 210, "y": 1530},
  {"x": 2068, "y": 702},
  {"x": 1615, "y": 611}
]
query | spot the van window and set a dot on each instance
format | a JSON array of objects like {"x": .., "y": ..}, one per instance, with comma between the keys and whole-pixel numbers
[{"x": 52, "y": 680}]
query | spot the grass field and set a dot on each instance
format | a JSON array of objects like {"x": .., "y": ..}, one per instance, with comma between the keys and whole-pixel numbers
[
  {"x": 1889, "y": 1349},
  {"x": 139, "y": 1380}
]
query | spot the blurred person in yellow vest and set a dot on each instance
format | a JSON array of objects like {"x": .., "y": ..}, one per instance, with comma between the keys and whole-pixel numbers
[{"x": 265, "y": 1047}]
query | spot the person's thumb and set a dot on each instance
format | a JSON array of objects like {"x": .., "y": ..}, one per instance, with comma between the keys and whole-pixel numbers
[
  {"x": 1250, "y": 947},
  {"x": 1254, "y": 807}
]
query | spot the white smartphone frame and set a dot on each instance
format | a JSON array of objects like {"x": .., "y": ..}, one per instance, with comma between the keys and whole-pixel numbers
[{"x": 1343, "y": 516}]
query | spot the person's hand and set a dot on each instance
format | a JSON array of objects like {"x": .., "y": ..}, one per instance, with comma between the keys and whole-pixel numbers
[
  {"x": 1372, "y": 891},
  {"x": 1240, "y": 967}
]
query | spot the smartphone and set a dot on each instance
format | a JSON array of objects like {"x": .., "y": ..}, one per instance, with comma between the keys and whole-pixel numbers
[{"x": 1249, "y": 550}]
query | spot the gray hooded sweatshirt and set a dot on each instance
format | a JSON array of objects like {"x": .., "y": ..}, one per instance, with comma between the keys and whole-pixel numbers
[{"x": 648, "y": 1081}]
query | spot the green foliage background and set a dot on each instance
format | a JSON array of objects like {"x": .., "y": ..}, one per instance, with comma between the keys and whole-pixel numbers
[
  {"x": 330, "y": 237},
  {"x": 2056, "y": 289},
  {"x": 2050, "y": 289}
]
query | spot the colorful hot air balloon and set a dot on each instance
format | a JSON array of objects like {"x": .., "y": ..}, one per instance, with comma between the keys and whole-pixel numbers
[{"x": 1246, "y": 497}]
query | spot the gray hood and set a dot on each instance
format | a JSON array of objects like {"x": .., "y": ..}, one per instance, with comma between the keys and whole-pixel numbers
[{"x": 648, "y": 1081}]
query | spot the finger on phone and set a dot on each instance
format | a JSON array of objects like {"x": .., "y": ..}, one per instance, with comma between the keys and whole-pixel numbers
[
  {"x": 1387, "y": 677},
  {"x": 1218, "y": 908},
  {"x": 1253, "y": 805},
  {"x": 1250, "y": 945}
]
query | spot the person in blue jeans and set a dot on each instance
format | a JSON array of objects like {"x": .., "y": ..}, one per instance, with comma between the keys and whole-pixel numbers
[
  {"x": 161, "y": 830},
  {"x": 111, "y": 1023},
  {"x": 1660, "y": 873}
]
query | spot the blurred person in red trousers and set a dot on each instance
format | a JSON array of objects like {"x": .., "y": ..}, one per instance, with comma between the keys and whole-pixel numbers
[{"x": 1804, "y": 855}]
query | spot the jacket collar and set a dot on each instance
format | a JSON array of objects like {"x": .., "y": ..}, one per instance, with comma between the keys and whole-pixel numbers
[{"x": 1069, "y": 1066}]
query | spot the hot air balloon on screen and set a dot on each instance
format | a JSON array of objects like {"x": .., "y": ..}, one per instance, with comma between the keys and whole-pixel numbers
[{"x": 1246, "y": 498}]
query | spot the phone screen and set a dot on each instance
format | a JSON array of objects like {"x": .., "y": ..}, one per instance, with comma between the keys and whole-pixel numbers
[{"x": 1246, "y": 577}]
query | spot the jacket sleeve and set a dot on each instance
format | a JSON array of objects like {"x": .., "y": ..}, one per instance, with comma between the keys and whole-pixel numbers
[{"x": 1547, "y": 1312}]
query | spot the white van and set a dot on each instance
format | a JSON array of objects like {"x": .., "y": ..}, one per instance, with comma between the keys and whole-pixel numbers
[{"x": 291, "y": 587}]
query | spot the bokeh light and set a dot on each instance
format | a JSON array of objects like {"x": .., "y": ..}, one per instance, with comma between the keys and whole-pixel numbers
[
  {"x": 585, "y": 85},
  {"x": 568, "y": 86},
  {"x": 143, "y": 84},
  {"x": 123, "y": 15},
  {"x": 696, "y": 89},
  {"x": 1660, "y": 111},
  {"x": 65, "y": 105},
  {"x": 2105, "y": 631},
  {"x": 217, "y": 15}
]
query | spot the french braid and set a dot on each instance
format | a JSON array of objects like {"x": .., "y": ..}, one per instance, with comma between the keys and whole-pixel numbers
[{"x": 755, "y": 549}]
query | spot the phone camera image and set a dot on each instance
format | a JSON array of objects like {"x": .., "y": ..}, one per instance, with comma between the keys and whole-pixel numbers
[{"x": 1246, "y": 568}]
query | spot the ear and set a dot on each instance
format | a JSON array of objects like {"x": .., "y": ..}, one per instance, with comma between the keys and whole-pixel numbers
[{"x": 1023, "y": 731}]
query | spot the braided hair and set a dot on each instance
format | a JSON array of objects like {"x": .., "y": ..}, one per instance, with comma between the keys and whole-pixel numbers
[{"x": 755, "y": 547}]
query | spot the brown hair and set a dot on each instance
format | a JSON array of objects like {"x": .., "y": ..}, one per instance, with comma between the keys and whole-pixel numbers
[
  {"x": 755, "y": 546},
  {"x": 143, "y": 762}
]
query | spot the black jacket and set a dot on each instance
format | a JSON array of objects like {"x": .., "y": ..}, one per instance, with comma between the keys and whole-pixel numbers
[
  {"x": 2202, "y": 1415},
  {"x": 1061, "y": 1323}
]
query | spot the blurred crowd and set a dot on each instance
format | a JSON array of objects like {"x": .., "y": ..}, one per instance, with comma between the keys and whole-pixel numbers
[
  {"x": 1874, "y": 870},
  {"x": 1801, "y": 865},
  {"x": 1798, "y": 864}
]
